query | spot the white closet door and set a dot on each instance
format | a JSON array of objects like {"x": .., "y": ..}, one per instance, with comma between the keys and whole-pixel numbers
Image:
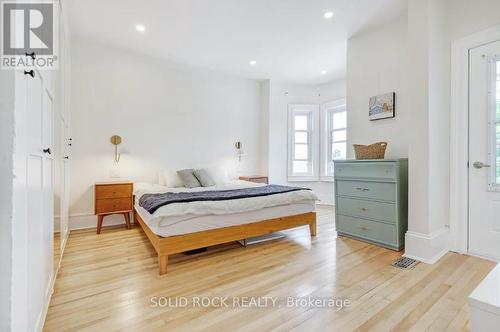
[
  {"x": 39, "y": 197},
  {"x": 48, "y": 189},
  {"x": 35, "y": 198},
  {"x": 65, "y": 181}
]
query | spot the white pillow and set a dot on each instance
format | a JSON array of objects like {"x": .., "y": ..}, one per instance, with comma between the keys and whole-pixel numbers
[
  {"x": 170, "y": 179},
  {"x": 218, "y": 174}
]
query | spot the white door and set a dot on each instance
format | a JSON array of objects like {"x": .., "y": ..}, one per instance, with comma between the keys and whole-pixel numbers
[
  {"x": 39, "y": 197},
  {"x": 484, "y": 151},
  {"x": 48, "y": 187},
  {"x": 65, "y": 182}
]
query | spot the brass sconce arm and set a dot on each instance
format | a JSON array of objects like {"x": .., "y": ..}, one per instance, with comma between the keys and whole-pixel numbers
[{"x": 116, "y": 140}]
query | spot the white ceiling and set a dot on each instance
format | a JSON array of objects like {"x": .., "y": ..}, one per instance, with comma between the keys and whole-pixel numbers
[{"x": 289, "y": 39}]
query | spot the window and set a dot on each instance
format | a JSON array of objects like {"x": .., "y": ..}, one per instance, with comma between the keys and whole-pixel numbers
[
  {"x": 495, "y": 124},
  {"x": 302, "y": 142},
  {"x": 334, "y": 138}
]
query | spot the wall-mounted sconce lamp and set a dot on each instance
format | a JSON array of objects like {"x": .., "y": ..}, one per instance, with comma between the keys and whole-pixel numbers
[
  {"x": 239, "y": 150},
  {"x": 116, "y": 140}
]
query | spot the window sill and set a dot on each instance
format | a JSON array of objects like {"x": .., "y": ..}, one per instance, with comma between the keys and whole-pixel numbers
[
  {"x": 325, "y": 179},
  {"x": 302, "y": 179}
]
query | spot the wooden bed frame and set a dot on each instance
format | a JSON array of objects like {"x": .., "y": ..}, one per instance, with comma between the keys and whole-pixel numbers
[{"x": 165, "y": 246}]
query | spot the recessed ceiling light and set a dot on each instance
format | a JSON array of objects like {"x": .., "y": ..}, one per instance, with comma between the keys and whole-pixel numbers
[
  {"x": 323, "y": 72},
  {"x": 328, "y": 15},
  {"x": 252, "y": 62},
  {"x": 140, "y": 28}
]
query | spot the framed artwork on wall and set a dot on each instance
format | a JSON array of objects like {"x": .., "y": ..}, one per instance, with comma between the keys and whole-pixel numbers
[{"x": 382, "y": 106}]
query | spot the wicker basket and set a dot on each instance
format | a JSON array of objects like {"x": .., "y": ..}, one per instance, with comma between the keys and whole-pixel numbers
[{"x": 372, "y": 151}]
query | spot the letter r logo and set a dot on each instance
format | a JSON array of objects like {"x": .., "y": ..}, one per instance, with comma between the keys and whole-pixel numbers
[{"x": 27, "y": 27}]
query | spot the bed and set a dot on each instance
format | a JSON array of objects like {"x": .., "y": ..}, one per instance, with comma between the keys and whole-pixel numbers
[{"x": 182, "y": 226}]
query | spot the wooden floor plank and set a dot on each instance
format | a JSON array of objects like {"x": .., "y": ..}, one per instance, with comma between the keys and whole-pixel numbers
[{"x": 107, "y": 282}]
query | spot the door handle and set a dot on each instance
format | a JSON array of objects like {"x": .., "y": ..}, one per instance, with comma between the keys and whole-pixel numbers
[
  {"x": 31, "y": 73},
  {"x": 32, "y": 55},
  {"x": 47, "y": 150},
  {"x": 479, "y": 164}
]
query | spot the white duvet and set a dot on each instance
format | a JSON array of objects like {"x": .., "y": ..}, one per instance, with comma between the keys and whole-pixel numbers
[{"x": 175, "y": 212}]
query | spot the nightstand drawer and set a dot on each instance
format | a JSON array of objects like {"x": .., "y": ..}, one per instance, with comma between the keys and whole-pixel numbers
[
  {"x": 367, "y": 209},
  {"x": 259, "y": 180},
  {"x": 113, "y": 205},
  {"x": 113, "y": 191},
  {"x": 255, "y": 178}
]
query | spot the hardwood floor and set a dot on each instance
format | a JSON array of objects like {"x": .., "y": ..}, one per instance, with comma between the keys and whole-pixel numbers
[{"x": 110, "y": 282}]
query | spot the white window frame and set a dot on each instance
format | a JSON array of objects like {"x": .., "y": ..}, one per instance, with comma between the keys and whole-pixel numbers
[
  {"x": 492, "y": 123},
  {"x": 327, "y": 111},
  {"x": 311, "y": 111}
]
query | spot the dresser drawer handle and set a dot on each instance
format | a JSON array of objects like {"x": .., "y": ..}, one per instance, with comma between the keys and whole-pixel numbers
[
  {"x": 362, "y": 189},
  {"x": 364, "y": 228},
  {"x": 363, "y": 209}
]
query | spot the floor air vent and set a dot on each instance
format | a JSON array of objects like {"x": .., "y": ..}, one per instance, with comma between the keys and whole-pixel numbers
[{"x": 405, "y": 263}]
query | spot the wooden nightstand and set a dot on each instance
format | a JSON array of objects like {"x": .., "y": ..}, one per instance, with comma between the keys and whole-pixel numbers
[
  {"x": 113, "y": 198},
  {"x": 255, "y": 178}
]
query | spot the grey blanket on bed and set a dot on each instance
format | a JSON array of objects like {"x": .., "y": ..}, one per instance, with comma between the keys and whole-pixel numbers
[{"x": 152, "y": 202}]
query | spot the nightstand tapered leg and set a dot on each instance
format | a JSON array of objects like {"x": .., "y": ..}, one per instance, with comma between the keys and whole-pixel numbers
[
  {"x": 99, "y": 223},
  {"x": 127, "y": 219}
]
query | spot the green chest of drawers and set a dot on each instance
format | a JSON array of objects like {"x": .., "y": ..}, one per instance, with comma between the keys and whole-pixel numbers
[{"x": 371, "y": 200}]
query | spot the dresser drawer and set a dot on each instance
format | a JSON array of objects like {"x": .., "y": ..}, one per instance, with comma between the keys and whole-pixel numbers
[
  {"x": 367, "y": 209},
  {"x": 113, "y": 191},
  {"x": 384, "y": 191},
  {"x": 113, "y": 205},
  {"x": 366, "y": 170},
  {"x": 369, "y": 230}
]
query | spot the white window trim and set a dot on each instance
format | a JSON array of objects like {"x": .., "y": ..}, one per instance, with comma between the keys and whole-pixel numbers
[
  {"x": 326, "y": 139},
  {"x": 492, "y": 122},
  {"x": 313, "y": 138}
]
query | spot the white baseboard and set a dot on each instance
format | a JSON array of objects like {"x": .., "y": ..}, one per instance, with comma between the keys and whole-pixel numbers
[
  {"x": 87, "y": 220},
  {"x": 48, "y": 296},
  {"x": 427, "y": 248}
]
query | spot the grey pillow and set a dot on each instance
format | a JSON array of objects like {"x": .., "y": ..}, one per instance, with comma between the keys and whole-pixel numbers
[
  {"x": 204, "y": 178},
  {"x": 188, "y": 178}
]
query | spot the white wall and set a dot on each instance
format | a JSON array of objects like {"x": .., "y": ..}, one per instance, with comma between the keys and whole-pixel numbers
[
  {"x": 465, "y": 17},
  {"x": 429, "y": 86},
  {"x": 265, "y": 97},
  {"x": 169, "y": 116},
  {"x": 377, "y": 63},
  {"x": 282, "y": 94},
  {"x": 6, "y": 183}
]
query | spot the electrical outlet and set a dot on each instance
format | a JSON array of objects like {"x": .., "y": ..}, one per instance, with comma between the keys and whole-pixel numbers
[{"x": 114, "y": 173}]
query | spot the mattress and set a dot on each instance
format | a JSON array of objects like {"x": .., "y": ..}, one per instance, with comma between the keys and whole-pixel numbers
[{"x": 170, "y": 226}]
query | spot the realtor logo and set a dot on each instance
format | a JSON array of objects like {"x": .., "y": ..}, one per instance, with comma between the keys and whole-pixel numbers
[{"x": 29, "y": 34}]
